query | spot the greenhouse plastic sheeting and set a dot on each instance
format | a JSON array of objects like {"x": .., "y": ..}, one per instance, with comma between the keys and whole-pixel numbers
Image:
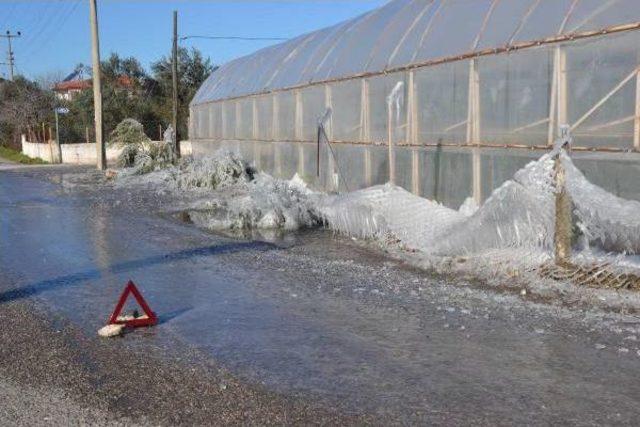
[{"x": 409, "y": 31}]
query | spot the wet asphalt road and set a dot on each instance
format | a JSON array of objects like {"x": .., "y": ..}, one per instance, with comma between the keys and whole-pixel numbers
[{"x": 310, "y": 317}]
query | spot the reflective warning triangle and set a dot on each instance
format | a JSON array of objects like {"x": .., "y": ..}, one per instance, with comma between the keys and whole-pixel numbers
[{"x": 149, "y": 320}]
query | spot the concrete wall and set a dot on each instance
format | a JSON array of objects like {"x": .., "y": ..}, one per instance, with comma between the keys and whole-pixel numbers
[
  {"x": 71, "y": 153},
  {"x": 446, "y": 174}
]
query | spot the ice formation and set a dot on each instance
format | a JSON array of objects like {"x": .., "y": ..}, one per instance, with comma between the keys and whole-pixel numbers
[
  {"x": 263, "y": 203},
  {"x": 519, "y": 214},
  {"x": 605, "y": 219},
  {"x": 220, "y": 171}
]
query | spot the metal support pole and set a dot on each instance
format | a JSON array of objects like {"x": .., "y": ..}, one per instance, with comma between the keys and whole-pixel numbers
[
  {"x": 212, "y": 120},
  {"x": 365, "y": 134},
  {"x": 299, "y": 116},
  {"x": 473, "y": 108},
  {"x": 473, "y": 129},
  {"x": 174, "y": 75},
  {"x": 223, "y": 118},
  {"x": 477, "y": 175},
  {"x": 553, "y": 98},
  {"x": 368, "y": 179},
  {"x": 412, "y": 133},
  {"x": 636, "y": 126},
  {"x": 238, "y": 121},
  {"x": 562, "y": 86},
  {"x": 365, "y": 131},
  {"x": 97, "y": 87},
  {"x": 392, "y": 157},
  {"x": 254, "y": 119},
  {"x": 328, "y": 103},
  {"x": 58, "y": 137},
  {"x": 412, "y": 113},
  {"x": 392, "y": 98},
  {"x": 255, "y": 131},
  {"x": 415, "y": 171},
  {"x": 301, "y": 170},
  {"x": 275, "y": 118},
  {"x": 318, "y": 151}
]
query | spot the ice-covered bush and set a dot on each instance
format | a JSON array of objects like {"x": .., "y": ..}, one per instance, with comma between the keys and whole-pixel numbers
[
  {"x": 128, "y": 131},
  {"x": 152, "y": 156},
  {"x": 219, "y": 171},
  {"x": 138, "y": 151},
  {"x": 127, "y": 156}
]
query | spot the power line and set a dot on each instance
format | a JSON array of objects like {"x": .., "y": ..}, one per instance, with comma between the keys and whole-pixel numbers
[
  {"x": 54, "y": 22},
  {"x": 7, "y": 16},
  {"x": 233, "y": 38}
]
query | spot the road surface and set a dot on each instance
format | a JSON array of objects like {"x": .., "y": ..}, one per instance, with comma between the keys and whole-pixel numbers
[{"x": 320, "y": 328}]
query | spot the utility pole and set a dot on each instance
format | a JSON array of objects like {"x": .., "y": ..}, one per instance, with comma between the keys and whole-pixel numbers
[
  {"x": 97, "y": 86},
  {"x": 10, "y": 57},
  {"x": 174, "y": 66}
]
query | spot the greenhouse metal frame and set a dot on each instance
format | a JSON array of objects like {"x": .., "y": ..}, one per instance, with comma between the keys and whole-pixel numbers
[{"x": 474, "y": 73}]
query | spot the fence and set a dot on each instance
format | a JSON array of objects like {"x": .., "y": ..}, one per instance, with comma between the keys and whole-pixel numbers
[{"x": 71, "y": 153}]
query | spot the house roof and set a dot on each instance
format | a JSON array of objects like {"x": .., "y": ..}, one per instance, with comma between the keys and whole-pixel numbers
[
  {"x": 64, "y": 86},
  {"x": 72, "y": 85}
]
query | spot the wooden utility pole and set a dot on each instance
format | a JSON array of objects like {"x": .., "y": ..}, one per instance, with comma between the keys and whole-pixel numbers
[
  {"x": 174, "y": 66},
  {"x": 10, "y": 57},
  {"x": 563, "y": 224},
  {"x": 97, "y": 86}
]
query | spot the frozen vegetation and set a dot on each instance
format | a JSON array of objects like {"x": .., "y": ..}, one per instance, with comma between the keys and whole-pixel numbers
[{"x": 506, "y": 237}]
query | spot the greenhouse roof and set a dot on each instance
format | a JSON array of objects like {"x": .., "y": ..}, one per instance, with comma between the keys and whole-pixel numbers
[{"x": 407, "y": 32}]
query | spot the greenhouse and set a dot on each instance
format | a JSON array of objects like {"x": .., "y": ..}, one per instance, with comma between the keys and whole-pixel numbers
[{"x": 446, "y": 98}]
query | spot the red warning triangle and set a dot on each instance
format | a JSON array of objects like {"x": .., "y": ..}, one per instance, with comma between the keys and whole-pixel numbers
[{"x": 150, "y": 317}]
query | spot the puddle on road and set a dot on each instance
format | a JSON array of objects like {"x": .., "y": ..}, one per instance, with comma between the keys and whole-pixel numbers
[{"x": 273, "y": 324}]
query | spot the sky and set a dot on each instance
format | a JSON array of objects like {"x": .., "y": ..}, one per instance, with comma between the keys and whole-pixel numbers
[{"x": 55, "y": 33}]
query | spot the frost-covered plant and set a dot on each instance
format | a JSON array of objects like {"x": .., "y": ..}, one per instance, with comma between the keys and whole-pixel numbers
[
  {"x": 222, "y": 170},
  {"x": 138, "y": 150},
  {"x": 128, "y": 131},
  {"x": 265, "y": 203},
  {"x": 152, "y": 156},
  {"x": 127, "y": 156}
]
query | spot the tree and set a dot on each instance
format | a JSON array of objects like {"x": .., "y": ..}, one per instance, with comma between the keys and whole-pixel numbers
[
  {"x": 46, "y": 81},
  {"x": 128, "y": 92},
  {"x": 193, "y": 70},
  {"x": 23, "y": 107}
]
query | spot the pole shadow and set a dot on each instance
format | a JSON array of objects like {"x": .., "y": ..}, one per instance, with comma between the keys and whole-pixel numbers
[{"x": 123, "y": 267}]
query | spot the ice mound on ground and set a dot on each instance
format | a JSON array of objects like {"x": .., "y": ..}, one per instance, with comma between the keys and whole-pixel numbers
[
  {"x": 468, "y": 207},
  {"x": 388, "y": 209},
  {"x": 222, "y": 170},
  {"x": 153, "y": 156},
  {"x": 610, "y": 221},
  {"x": 265, "y": 203},
  {"x": 519, "y": 213}
]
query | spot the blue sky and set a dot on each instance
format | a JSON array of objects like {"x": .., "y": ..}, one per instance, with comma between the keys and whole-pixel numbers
[{"x": 56, "y": 32}]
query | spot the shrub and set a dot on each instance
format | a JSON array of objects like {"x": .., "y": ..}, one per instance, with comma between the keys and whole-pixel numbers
[{"x": 128, "y": 131}]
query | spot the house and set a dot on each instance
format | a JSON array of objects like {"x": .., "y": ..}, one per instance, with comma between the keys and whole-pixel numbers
[
  {"x": 76, "y": 82},
  {"x": 67, "y": 90}
]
